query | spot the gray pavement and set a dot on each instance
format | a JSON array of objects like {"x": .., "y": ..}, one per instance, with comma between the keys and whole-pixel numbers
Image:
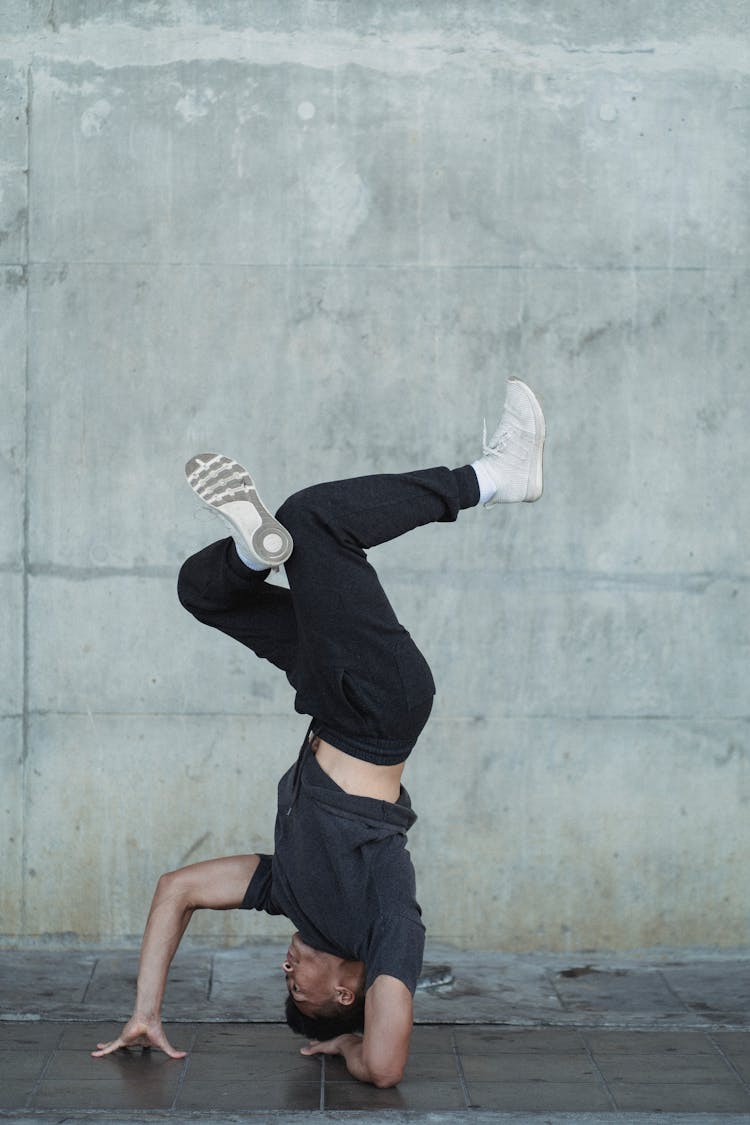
[{"x": 499, "y": 1037}]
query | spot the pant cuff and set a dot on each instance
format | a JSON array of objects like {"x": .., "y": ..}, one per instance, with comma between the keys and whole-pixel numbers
[{"x": 468, "y": 486}]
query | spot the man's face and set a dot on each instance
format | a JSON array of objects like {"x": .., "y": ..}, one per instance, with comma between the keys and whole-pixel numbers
[{"x": 309, "y": 976}]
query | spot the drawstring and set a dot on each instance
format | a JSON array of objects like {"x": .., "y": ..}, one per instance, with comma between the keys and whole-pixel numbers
[{"x": 304, "y": 750}]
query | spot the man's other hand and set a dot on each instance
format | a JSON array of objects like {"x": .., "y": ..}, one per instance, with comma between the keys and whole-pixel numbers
[{"x": 330, "y": 1046}]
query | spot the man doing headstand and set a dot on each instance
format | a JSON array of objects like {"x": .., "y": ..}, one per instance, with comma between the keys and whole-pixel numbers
[{"x": 340, "y": 870}]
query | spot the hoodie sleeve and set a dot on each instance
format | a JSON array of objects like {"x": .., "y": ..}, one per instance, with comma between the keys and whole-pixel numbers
[
  {"x": 395, "y": 949},
  {"x": 259, "y": 894}
]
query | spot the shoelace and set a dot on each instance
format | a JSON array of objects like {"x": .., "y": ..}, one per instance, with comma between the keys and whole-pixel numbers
[{"x": 500, "y": 445}]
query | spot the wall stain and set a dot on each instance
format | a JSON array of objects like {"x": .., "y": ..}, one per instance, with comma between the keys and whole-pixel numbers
[
  {"x": 194, "y": 848},
  {"x": 733, "y": 751},
  {"x": 16, "y": 278}
]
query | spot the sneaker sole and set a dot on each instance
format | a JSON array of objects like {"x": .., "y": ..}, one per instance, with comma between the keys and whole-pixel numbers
[
  {"x": 224, "y": 485},
  {"x": 535, "y": 483}
]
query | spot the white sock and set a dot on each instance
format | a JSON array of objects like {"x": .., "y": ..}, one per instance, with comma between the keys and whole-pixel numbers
[
  {"x": 487, "y": 486},
  {"x": 251, "y": 564}
]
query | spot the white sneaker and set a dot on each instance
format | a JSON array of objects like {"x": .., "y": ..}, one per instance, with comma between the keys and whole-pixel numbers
[
  {"x": 224, "y": 485},
  {"x": 513, "y": 455}
]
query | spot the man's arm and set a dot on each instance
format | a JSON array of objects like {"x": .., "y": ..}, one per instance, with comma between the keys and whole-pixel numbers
[
  {"x": 380, "y": 1055},
  {"x": 215, "y": 884}
]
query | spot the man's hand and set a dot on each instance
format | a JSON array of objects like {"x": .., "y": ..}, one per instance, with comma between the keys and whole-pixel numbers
[
  {"x": 335, "y": 1046},
  {"x": 380, "y": 1056},
  {"x": 140, "y": 1033},
  {"x": 215, "y": 884}
]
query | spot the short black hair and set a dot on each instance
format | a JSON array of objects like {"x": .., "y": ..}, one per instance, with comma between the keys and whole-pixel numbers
[{"x": 333, "y": 1019}]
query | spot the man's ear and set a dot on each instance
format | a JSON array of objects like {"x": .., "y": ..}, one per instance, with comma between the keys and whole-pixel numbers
[{"x": 344, "y": 995}]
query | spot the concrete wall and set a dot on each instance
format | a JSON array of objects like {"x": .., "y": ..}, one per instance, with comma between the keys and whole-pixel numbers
[{"x": 319, "y": 236}]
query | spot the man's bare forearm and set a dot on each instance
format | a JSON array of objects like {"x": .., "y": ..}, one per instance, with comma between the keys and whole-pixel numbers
[
  {"x": 353, "y": 1049},
  {"x": 380, "y": 1056},
  {"x": 216, "y": 884},
  {"x": 168, "y": 919}
]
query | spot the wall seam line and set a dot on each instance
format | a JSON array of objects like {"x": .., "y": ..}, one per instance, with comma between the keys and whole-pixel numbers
[{"x": 25, "y": 530}]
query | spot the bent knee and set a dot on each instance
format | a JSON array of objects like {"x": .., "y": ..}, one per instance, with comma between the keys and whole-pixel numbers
[
  {"x": 302, "y": 508},
  {"x": 187, "y": 587}
]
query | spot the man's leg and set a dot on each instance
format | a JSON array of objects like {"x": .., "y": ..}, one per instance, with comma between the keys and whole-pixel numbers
[
  {"x": 353, "y": 665},
  {"x": 356, "y": 668},
  {"x": 220, "y": 590},
  {"x": 362, "y": 677},
  {"x": 375, "y": 684}
]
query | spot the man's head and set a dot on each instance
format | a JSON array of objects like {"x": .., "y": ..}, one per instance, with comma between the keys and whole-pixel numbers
[{"x": 325, "y": 992}]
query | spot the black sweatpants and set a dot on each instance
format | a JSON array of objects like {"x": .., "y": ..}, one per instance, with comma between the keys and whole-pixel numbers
[{"x": 354, "y": 667}]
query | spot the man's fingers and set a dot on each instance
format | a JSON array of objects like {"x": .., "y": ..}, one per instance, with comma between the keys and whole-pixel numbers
[
  {"x": 318, "y": 1047},
  {"x": 160, "y": 1041},
  {"x": 107, "y": 1048},
  {"x": 116, "y": 1044},
  {"x": 165, "y": 1046}
]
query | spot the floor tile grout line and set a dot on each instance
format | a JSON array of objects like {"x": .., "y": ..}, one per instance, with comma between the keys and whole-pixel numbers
[
  {"x": 460, "y": 1070},
  {"x": 43, "y": 1072},
  {"x": 738, "y": 1075},
  {"x": 210, "y": 981},
  {"x": 176, "y": 1016},
  {"x": 89, "y": 981},
  {"x": 184, "y": 1072},
  {"x": 599, "y": 1072},
  {"x": 548, "y": 976},
  {"x": 672, "y": 992}
]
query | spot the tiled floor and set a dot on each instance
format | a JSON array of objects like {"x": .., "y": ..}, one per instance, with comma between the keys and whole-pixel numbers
[
  {"x": 497, "y": 1036},
  {"x": 236, "y": 1067}
]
